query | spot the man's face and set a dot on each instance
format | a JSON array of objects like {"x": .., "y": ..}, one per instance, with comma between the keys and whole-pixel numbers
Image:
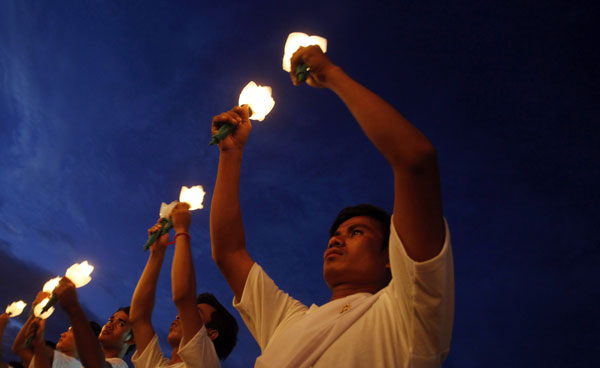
[
  {"x": 116, "y": 331},
  {"x": 355, "y": 255},
  {"x": 175, "y": 331},
  {"x": 66, "y": 343}
]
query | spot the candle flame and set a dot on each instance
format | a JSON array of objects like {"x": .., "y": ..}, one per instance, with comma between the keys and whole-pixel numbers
[
  {"x": 296, "y": 40},
  {"x": 37, "y": 310},
  {"x": 79, "y": 273},
  {"x": 15, "y": 308},
  {"x": 51, "y": 284},
  {"x": 192, "y": 196},
  {"x": 259, "y": 99}
]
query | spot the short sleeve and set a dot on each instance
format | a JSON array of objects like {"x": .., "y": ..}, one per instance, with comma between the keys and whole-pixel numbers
[
  {"x": 199, "y": 352},
  {"x": 264, "y": 306},
  {"x": 424, "y": 295},
  {"x": 151, "y": 357}
]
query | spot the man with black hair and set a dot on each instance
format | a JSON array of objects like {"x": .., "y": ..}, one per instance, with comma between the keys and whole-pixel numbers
[
  {"x": 203, "y": 331},
  {"x": 391, "y": 305},
  {"x": 116, "y": 337},
  {"x": 63, "y": 355},
  {"x": 41, "y": 353}
]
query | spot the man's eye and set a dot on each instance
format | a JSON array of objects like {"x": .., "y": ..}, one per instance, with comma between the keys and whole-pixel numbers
[{"x": 356, "y": 232}]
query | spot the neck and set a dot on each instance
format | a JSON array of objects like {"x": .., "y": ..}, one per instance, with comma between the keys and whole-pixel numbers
[
  {"x": 112, "y": 352},
  {"x": 344, "y": 290},
  {"x": 175, "y": 358}
]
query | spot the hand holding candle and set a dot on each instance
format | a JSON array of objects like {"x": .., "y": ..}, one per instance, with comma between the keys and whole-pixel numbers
[
  {"x": 78, "y": 274},
  {"x": 193, "y": 196},
  {"x": 294, "y": 41},
  {"x": 260, "y": 103}
]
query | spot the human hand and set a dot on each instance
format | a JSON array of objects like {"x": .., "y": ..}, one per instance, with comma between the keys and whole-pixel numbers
[
  {"x": 239, "y": 118},
  {"x": 4, "y": 317},
  {"x": 181, "y": 217},
  {"x": 318, "y": 64},
  {"x": 162, "y": 242},
  {"x": 36, "y": 330},
  {"x": 67, "y": 295},
  {"x": 40, "y": 297}
]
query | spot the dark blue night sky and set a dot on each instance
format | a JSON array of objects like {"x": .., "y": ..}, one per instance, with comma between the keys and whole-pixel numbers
[{"x": 105, "y": 110}]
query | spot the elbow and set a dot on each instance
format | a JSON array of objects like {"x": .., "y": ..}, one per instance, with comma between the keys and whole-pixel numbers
[
  {"x": 422, "y": 157},
  {"x": 136, "y": 319},
  {"x": 220, "y": 258},
  {"x": 180, "y": 299}
]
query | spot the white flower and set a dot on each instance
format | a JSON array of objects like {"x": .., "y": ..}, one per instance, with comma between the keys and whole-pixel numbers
[
  {"x": 79, "y": 273},
  {"x": 165, "y": 209},
  {"x": 37, "y": 310},
  {"x": 297, "y": 39},
  {"x": 15, "y": 308}
]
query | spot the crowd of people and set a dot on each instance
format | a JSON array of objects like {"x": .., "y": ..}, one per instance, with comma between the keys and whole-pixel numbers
[{"x": 391, "y": 277}]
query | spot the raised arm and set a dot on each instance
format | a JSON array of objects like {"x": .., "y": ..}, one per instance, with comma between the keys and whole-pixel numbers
[
  {"x": 4, "y": 317},
  {"x": 226, "y": 227},
  {"x": 88, "y": 348},
  {"x": 42, "y": 353},
  {"x": 19, "y": 348},
  {"x": 418, "y": 216},
  {"x": 142, "y": 302},
  {"x": 183, "y": 277}
]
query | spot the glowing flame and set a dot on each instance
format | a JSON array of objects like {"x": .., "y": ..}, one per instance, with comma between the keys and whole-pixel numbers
[
  {"x": 79, "y": 273},
  {"x": 259, "y": 99},
  {"x": 15, "y": 308},
  {"x": 50, "y": 285},
  {"x": 192, "y": 196},
  {"x": 37, "y": 310},
  {"x": 296, "y": 40}
]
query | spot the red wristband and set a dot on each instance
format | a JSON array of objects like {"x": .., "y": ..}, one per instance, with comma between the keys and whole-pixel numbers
[{"x": 182, "y": 233}]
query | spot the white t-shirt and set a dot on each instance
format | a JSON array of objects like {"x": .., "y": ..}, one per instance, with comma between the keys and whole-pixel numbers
[
  {"x": 199, "y": 352},
  {"x": 117, "y": 362},
  {"x": 409, "y": 323},
  {"x": 60, "y": 360}
]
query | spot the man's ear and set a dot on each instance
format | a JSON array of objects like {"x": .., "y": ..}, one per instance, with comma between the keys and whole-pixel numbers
[{"x": 212, "y": 334}]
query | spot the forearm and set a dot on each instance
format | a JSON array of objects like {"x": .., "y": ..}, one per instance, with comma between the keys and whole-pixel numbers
[
  {"x": 19, "y": 348},
  {"x": 226, "y": 226},
  {"x": 401, "y": 143},
  {"x": 142, "y": 302},
  {"x": 183, "y": 278},
  {"x": 43, "y": 359},
  {"x": 183, "y": 281},
  {"x": 88, "y": 348}
]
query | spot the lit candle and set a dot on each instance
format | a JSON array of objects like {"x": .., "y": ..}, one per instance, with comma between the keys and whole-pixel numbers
[
  {"x": 15, "y": 308},
  {"x": 259, "y": 99},
  {"x": 260, "y": 103},
  {"x": 192, "y": 196},
  {"x": 43, "y": 310},
  {"x": 294, "y": 41},
  {"x": 79, "y": 273},
  {"x": 51, "y": 284}
]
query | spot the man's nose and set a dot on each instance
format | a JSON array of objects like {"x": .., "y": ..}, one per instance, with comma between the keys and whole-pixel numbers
[{"x": 335, "y": 241}]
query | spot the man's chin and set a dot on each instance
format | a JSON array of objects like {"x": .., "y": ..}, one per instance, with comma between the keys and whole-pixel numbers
[{"x": 173, "y": 340}]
